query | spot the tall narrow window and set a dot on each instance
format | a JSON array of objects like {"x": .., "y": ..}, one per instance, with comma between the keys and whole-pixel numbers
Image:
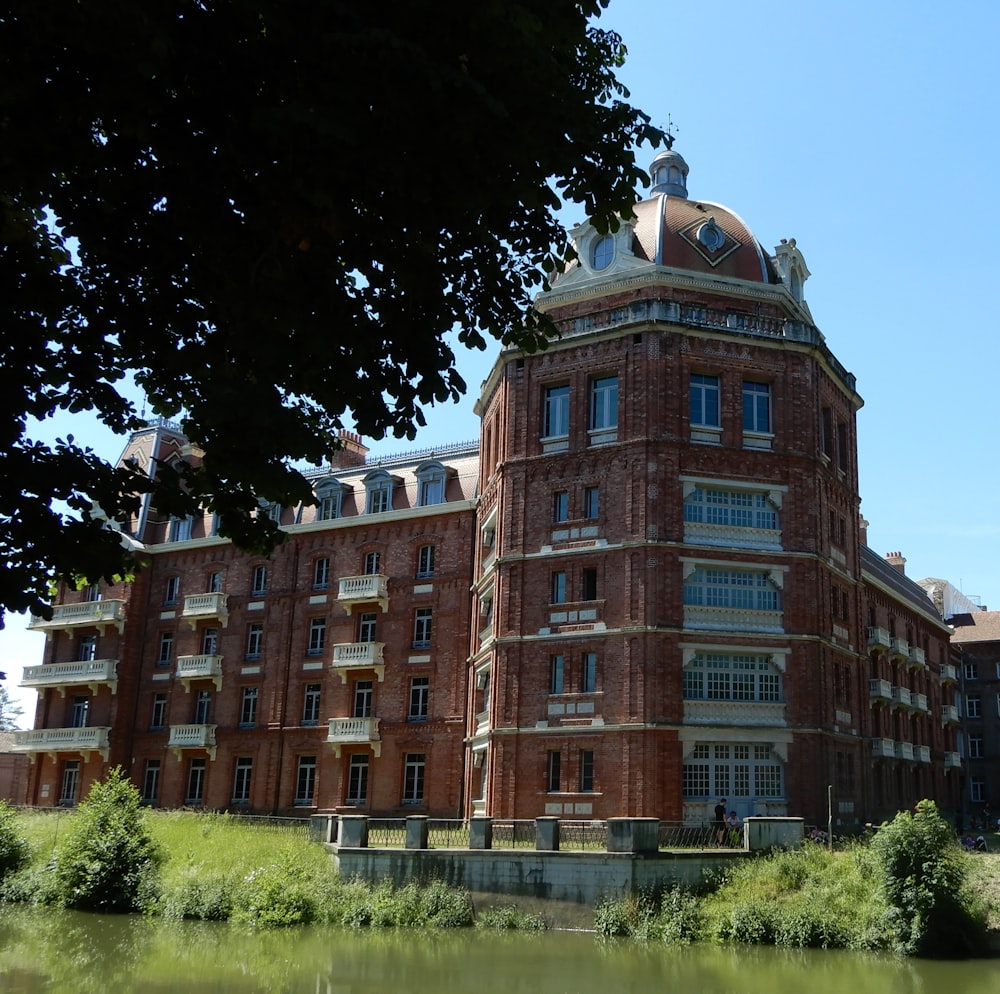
[
  {"x": 586, "y": 771},
  {"x": 70, "y": 783},
  {"x": 419, "y": 697},
  {"x": 357, "y": 781},
  {"x": 842, "y": 454},
  {"x": 195, "y": 783},
  {"x": 372, "y": 562},
  {"x": 166, "y": 649},
  {"x": 159, "y": 716},
  {"x": 329, "y": 497},
  {"x": 317, "y": 636},
  {"x": 241, "y": 781},
  {"x": 305, "y": 781},
  {"x": 705, "y": 401},
  {"x": 310, "y": 704},
  {"x": 756, "y": 407},
  {"x": 553, "y": 772},
  {"x": 92, "y": 592},
  {"x": 210, "y": 642},
  {"x": 555, "y": 412},
  {"x": 362, "y": 699},
  {"x": 255, "y": 641},
  {"x": 591, "y": 503},
  {"x": 560, "y": 506},
  {"x": 215, "y": 582},
  {"x": 422, "y": 626},
  {"x": 425, "y": 561},
  {"x": 202, "y": 707},
  {"x": 588, "y": 584},
  {"x": 258, "y": 581},
  {"x": 87, "y": 648},
  {"x": 366, "y": 626},
  {"x": 321, "y": 573},
  {"x": 558, "y": 588},
  {"x": 413, "y": 778},
  {"x": 604, "y": 404},
  {"x": 151, "y": 782},
  {"x": 248, "y": 707},
  {"x": 431, "y": 481},
  {"x": 588, "y": 673},
  {"x": 180, "y": 529},
  {"x": 171, "y": 591},
  {"x": 557, "y": 674},
  {"x": 81, "y": 710}
]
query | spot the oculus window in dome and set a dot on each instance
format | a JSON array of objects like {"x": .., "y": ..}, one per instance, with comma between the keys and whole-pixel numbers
[{"x": 710, "y": 240}]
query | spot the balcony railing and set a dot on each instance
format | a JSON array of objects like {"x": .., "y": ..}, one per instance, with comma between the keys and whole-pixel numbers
[
  {"x": 878, "y": 639},
  {"x": 371, "y": 588},
  {"x": 918, "y": 658},
  {"x": 192, "y": 737},
  {"x": 734, "y": 713},
  {"x": 87, "y": 614},
  {"x": 59, "y": 740},
  {"x": 880, "y": 690},
  {"x": 91, "y": 673},
  {"x": 919, "y": 702},
  {"x": 948, "y": 673},
  {"x": 732, "y": 619},
  {"x": 884, "y": 748},
  {"x": 206, "y": 607},
  {"x": 923, "y": 753},
  {"x": 354, "y": 731},
  {"x": 904, "y": 750},
  {"x": 199, "y": 668},
  {"x": 349, "y": 656},
  {"x": 901, "y": 697},
  {"x": 899, "y": 650},
  {"x": 952, "y": 761},
  {"x": 949, "y": 714}
]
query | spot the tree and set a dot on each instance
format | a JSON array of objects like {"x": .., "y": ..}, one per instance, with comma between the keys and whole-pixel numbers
[
  {"x": 10, "y": 710},
  {"x": 270, "y": 215}
]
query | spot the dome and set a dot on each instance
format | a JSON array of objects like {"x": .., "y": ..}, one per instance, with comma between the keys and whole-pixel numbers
[{"x": 673, "y": 230}]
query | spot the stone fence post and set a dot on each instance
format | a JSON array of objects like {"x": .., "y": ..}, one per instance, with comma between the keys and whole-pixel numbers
[
  {"x": 547, "y": 834},
  {"x": 481, "y": 833},
  {"x": 353, "y": 831},
  {"x": 416, "y": 832}
]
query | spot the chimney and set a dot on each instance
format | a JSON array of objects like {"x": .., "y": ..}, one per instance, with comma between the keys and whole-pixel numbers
[
  {"x": 863, "y": 529},
  {"x": 896, "y": 561},
  {"x": 352, "y": 451}
]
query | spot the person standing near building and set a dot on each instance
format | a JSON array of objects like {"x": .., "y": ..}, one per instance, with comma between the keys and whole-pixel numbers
[{"x": 720, "y": 822}]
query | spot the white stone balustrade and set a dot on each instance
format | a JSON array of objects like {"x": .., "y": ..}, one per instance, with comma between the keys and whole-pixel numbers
[{"x": 90, "y": 673}]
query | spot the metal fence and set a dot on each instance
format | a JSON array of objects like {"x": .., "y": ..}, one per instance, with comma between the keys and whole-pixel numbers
[
  {"x": 273, "y": 824},
  {"x": 514, "y": 834},
  {"x": 675, "y": 835}
]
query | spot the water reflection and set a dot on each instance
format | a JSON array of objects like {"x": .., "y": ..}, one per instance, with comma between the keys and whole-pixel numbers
[{"x": 65, "y": 951}]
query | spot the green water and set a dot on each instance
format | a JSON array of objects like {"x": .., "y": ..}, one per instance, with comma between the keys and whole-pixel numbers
[{"x": 64, "y": 951}]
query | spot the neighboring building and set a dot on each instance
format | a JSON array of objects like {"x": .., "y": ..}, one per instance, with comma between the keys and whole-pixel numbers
[
  {"x": 13, "y": 771},
  {"x": 670, "y": 600}
]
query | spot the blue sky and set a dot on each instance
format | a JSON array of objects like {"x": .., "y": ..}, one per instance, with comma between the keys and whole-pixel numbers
[{"x": 867, "y": 132}]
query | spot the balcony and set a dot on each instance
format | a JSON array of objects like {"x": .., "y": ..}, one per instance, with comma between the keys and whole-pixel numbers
[
  {"x": 767, "y": 713},
  {"x": 879, "y": 691},
  {"x": 90, "y": 673},
  {"x": 54, "y": 741},
  {"x": 901, "y": 697},
  {"x": 732, "y": 619},
  {"x": 206, "y": 607},
  {"x": 349, "y": 656},
  {"x": 904, "y": 750},
  {"x": 192, "y": 737},
  {"x": 919, "y": 702},
  {"x": 899, "y": 650},
  {"x": 952, "y": 761},
  {"x": 372, "y": 588},
  {"x": 948, "y": 674},
  {"x": 354, "y": 731},
  {"x": 883, "y": 748},
  {"x": 878, "y": 640},
  {"x": 199, "y": 668},
  {"x": 949, "y": 714},
  {"x": 918, "y": 658},
  {"x": 923, "y": 753},
  {"x": 88, "y": 614}
]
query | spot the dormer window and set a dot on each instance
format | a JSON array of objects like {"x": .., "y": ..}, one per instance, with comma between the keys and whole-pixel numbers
[
  {"x": 603, "y": 252},
  {"x": 330, "y": 499},
  {"x": 431, "y": 480},
  {"x": 378, "y": 491},
  {"x": 180, "y": 529}
]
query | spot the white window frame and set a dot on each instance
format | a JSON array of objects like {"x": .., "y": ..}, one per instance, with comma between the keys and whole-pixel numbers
[
  {"x": 414, "y": 777},
  {"x": 734, "y": 770},
  {"x": 242, "y": 777},
  {"x": 425, "y": 561},
  {"x": 311, "y": 703},
  {"x": 729, "y": 587},
  {"x": 703, "y": 387},
  {"x": 321, "y": 573},
  {"x": 255, "y": 640},
  {"x": 758, "y": 415},
  {"x": 555, "y": 411},
  {"x": 317, "y": 636},
  {"x": 305, "y": 782},
  {"x": 423, "y": 627},
  {"x": 357, "y": 780},
  {"x": 420, "y": 691},
  {"x": 249, "y": 698},
  {"x": 602, "y": 411},
  {"x": 741, "y": 677}
]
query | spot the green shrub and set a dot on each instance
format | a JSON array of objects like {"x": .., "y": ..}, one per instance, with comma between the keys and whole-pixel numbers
[
  {"x": 107, "y": 860},
  {"x": 679, "y": 919},
  {"x": 14, "y": 850},
  {"x": 752, "y": 922},
  {"x": 923, "y": 875},
  {"x": 509, "y": 918},
  {"x": 197, "y": 895},
  {"x": 279, "y": 893}
]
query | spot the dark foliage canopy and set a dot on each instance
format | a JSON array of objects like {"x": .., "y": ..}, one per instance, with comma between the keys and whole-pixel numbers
[{"x": 269, "y": 214}]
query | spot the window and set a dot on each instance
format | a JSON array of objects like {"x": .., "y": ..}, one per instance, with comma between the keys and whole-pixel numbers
[
  {"x": 730, "y": 589},
  {"x": 362, "y": 699},
  {"x": 195, "y": 783},
  {"x": 166, "y": 649},
  {"x": 588, "y": 673},
  {"x": 305, "y": 781},
  {"x": 732, "y": 770},
  {"x": 272, "y": 510},
  {"x": 591, "y": 503},
  {"x": 603, "y": 253},
  {"x": 378, "y": 492},
  {"x": 973, "y": 707},
  {"x": 971, "y": 671},
  {"x": 317, "y": 636},
  {"x": 604, "y": 404},
  {"x": 553, "y": 771},
  {"x": 422, "y": 628},
  {"x": 248, "y": 707},
  {"x": 705, "y": 401},
  {"x": 730, "y": 508},
  {"x": 975, "y": 747},
  {"x": 757, "y": 407},
  {"x": 70, "y": 783},
  {"x": 420, "y": 688},
  {"x": 255, "y": 641},
  {"x": 555, "y": 412},
  {"x": 87, "y": 648},
  {"x": 92, "y": 593},
  {"x": 560, "y": 506},
  {"x": 357, "y": 781},
  {"x": 180, "y": 529},
  {"x": 378, "y": 500},
  {"x": 210, "y": 642},
  {"x": 372, "y": 562},
  {"x": 431, "y": 479},
  {"x": 215, "y": 583},
  {"x": 81, "y": 708},
  {"x": 977, "y": 790},
  {"x": 425, "y": 561},
  {"x": 842, "y": 446},
  {"x": 557, "y": 674},
  {"x": 586, "y": 771},
  {"x": 310, "y": 704},
  {"x": 826, "y": 432},
  {"x": 241, "y": 781},
  {"x": 202, "y": 707},
  {"x": 172, "y": 589},
  {"x": 588, "y": 584},
  {"x": 366, "y": 626},
  {"x": 329, "y": 500},
  {"x": 258, "y": 582},
  {"x": 413, "y": 778},
  {"x": 159, "y": 716},
  {"x": 321, "y": 573},
  {"x": 151, "y": 781},
  {"x": 715, "y": 676},
  {"x": 558, "y": 588}
]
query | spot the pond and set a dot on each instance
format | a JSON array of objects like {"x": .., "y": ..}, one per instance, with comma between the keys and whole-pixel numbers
[{"x": 42, "y": 950}]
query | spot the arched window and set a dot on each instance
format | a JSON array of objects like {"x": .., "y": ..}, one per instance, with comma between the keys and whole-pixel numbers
[
  {"x": 432, "y": 478},
  {"x": 603, "y": 252}
]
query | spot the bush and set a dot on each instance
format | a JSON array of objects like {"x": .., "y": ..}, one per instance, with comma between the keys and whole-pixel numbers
[
  {"x": 923, "y": 874},
  {"x": 108, "y": 860},
  {"x": 14, "y": 850},
  {"x": 277, "y": 894},
  {"x": 510, "y": 918}
]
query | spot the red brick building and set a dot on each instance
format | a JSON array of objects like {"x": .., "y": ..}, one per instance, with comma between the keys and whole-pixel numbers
[{"x": 670, "y": 596}]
